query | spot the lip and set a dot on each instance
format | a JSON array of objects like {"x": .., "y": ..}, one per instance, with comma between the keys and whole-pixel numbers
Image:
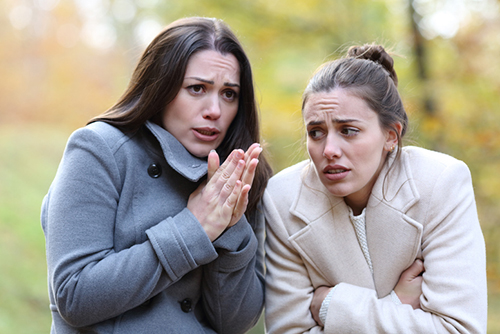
[
  {"x": 206, "y": 133},
  {"x": 340, "y": 172}
]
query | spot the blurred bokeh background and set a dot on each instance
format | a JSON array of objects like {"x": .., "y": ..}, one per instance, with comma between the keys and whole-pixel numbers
[{"x": 62, "y": 62}]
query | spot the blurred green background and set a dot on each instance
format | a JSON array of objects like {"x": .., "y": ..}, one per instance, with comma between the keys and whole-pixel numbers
[{"x": 62, "y": 62}]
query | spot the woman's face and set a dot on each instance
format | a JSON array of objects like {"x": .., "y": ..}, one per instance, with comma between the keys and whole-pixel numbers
[
  {"x": 346, "y": 144},
  {"x": 200, "y": 114}
]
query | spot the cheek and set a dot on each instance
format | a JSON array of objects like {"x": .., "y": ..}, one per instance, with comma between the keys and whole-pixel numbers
[
  {"x": 229, "y": 117},
  {"x": 172, "y": 114},
  {"x": 370, "y": 156},
  {"x": 314, "y": 150}
]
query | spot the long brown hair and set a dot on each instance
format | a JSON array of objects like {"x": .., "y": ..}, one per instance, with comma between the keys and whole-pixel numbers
[{"x": 158, "y": 77}]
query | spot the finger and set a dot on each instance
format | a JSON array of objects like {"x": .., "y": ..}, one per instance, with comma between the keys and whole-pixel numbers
[
  {"x": 224, "y": 172},
  {"x": 241, "y": 204},
  {"x": 224, "y": 165},
  {"x": 252, "y": 152},
  {"x": 249, "y": 172},
  {"x": 229, "y": 184},
  {"x": 247, "y": 179},
  {"x": 213, "y": 164},
  {"x": 231, "y": 200}
]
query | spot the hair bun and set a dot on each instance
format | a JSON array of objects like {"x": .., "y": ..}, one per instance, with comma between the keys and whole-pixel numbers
[{"x": 377, "y": 54}]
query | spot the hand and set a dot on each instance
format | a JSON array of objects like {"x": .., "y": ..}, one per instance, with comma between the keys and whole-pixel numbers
[
  {"x": 409, "y": 287},
  {"x": 319, "y": 296},
  {"x": 251, "y": 162},
  {"x": 214, "y": 202}
]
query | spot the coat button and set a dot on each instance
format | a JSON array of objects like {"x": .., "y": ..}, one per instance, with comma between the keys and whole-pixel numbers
[
  {"x": 154, "y": 170},
  {"x": 186, "y": 305}
]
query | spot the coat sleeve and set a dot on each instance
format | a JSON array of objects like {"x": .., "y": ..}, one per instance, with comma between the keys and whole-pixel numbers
[
  {"x": 233, "y": 284},
  {"x": 289, "y": 290},
  {"x": 454, "y": 295},
  {"x": 89, "y": 281}
]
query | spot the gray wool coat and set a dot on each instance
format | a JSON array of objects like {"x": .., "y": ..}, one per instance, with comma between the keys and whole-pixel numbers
[{"x": 125, "y": 255}]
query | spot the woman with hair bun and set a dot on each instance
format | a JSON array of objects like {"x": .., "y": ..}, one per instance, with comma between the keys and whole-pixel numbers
[
  {"x": 368, "y": 236},
  {"x": 145, "y": 232}
]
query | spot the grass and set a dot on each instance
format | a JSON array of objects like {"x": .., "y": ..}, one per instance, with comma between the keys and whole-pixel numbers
[
  {"x": 30, "y": 155},
  {"x": 29, "y": 160}
]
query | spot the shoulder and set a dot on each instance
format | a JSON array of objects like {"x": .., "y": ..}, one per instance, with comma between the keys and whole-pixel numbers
[
  {"x": 287, "y": 179},
  {"x": 283, "y": 188},
  {"x": 418, "y": 155},
  {"x": 426, "y": 162},
  {"x": 435, "y": 172},
  {"x": 97, "y": 134}
]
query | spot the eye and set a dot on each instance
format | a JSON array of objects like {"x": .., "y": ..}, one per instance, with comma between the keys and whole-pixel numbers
[
  {"x": 315, "y": 134},
  {"x": 349, "y": 132},
  {"x": 230, "y": 95},
  {"x": 196, "y": 89}
]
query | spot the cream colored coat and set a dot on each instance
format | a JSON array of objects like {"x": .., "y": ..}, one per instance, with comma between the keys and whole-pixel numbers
[{"x": 427, "y": 211}]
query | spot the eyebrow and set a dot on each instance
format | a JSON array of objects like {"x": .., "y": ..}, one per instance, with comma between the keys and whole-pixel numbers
[
  {"x": 211, "y": 82},
  {"x": 340, "y": 121}
]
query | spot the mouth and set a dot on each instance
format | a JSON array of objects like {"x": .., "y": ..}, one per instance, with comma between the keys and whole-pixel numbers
[
  {"x": 206, "y": 133},
  {"x": 335, "y": 169},
  {"x": 335, "y": 173}
]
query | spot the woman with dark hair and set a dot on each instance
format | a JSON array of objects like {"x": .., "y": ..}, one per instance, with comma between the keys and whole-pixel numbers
[
  {"x": 145, "y": 232},
  {"x": 369, "y": 236}
]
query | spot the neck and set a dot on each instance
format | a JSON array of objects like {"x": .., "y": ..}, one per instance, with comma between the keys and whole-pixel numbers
[{"x": 356, "y": 208}]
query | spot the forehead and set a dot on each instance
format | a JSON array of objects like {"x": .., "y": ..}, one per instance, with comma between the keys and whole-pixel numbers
[
  {"x": 337, "y": 104},
  {"x": 210, "y": 64}
]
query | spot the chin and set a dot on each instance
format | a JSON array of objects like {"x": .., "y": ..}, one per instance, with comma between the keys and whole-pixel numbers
[
  {"x": 200, "y": 152},
  {"x": 337, "y": 191}
]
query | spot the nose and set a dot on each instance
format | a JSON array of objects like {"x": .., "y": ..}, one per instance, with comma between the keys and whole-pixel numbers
[
  {"x": 212, "y": 110},
  {"x": 332, "y": 148}
]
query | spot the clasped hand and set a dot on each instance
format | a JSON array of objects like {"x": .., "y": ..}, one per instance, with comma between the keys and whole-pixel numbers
[{"x": 221, "y": 201}]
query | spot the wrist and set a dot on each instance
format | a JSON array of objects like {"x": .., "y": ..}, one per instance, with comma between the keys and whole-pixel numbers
[{"x": 323, "y": 311}]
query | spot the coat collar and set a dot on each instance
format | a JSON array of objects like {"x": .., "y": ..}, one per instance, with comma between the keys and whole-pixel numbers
[
  {"x": 393, "y": 237},
  {"x": 395, "y": 185},
  {"x": 177, "y": 156}
]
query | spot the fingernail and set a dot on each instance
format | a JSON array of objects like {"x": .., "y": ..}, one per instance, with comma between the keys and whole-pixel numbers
[{"x": 211, "y": 151}]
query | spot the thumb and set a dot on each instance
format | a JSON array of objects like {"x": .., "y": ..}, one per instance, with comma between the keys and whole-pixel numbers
[
  {"x": 213, "y": 164},
  {"x": 414, "y": 270}
]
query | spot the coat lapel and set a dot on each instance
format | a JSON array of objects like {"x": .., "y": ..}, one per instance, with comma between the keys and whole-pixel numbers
[
  {"x": 394, "y": 238},
  {"x": 328, "y": 242}
]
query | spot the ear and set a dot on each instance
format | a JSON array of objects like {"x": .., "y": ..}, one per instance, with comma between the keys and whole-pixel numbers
[{"x": 392, "y": 137}]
